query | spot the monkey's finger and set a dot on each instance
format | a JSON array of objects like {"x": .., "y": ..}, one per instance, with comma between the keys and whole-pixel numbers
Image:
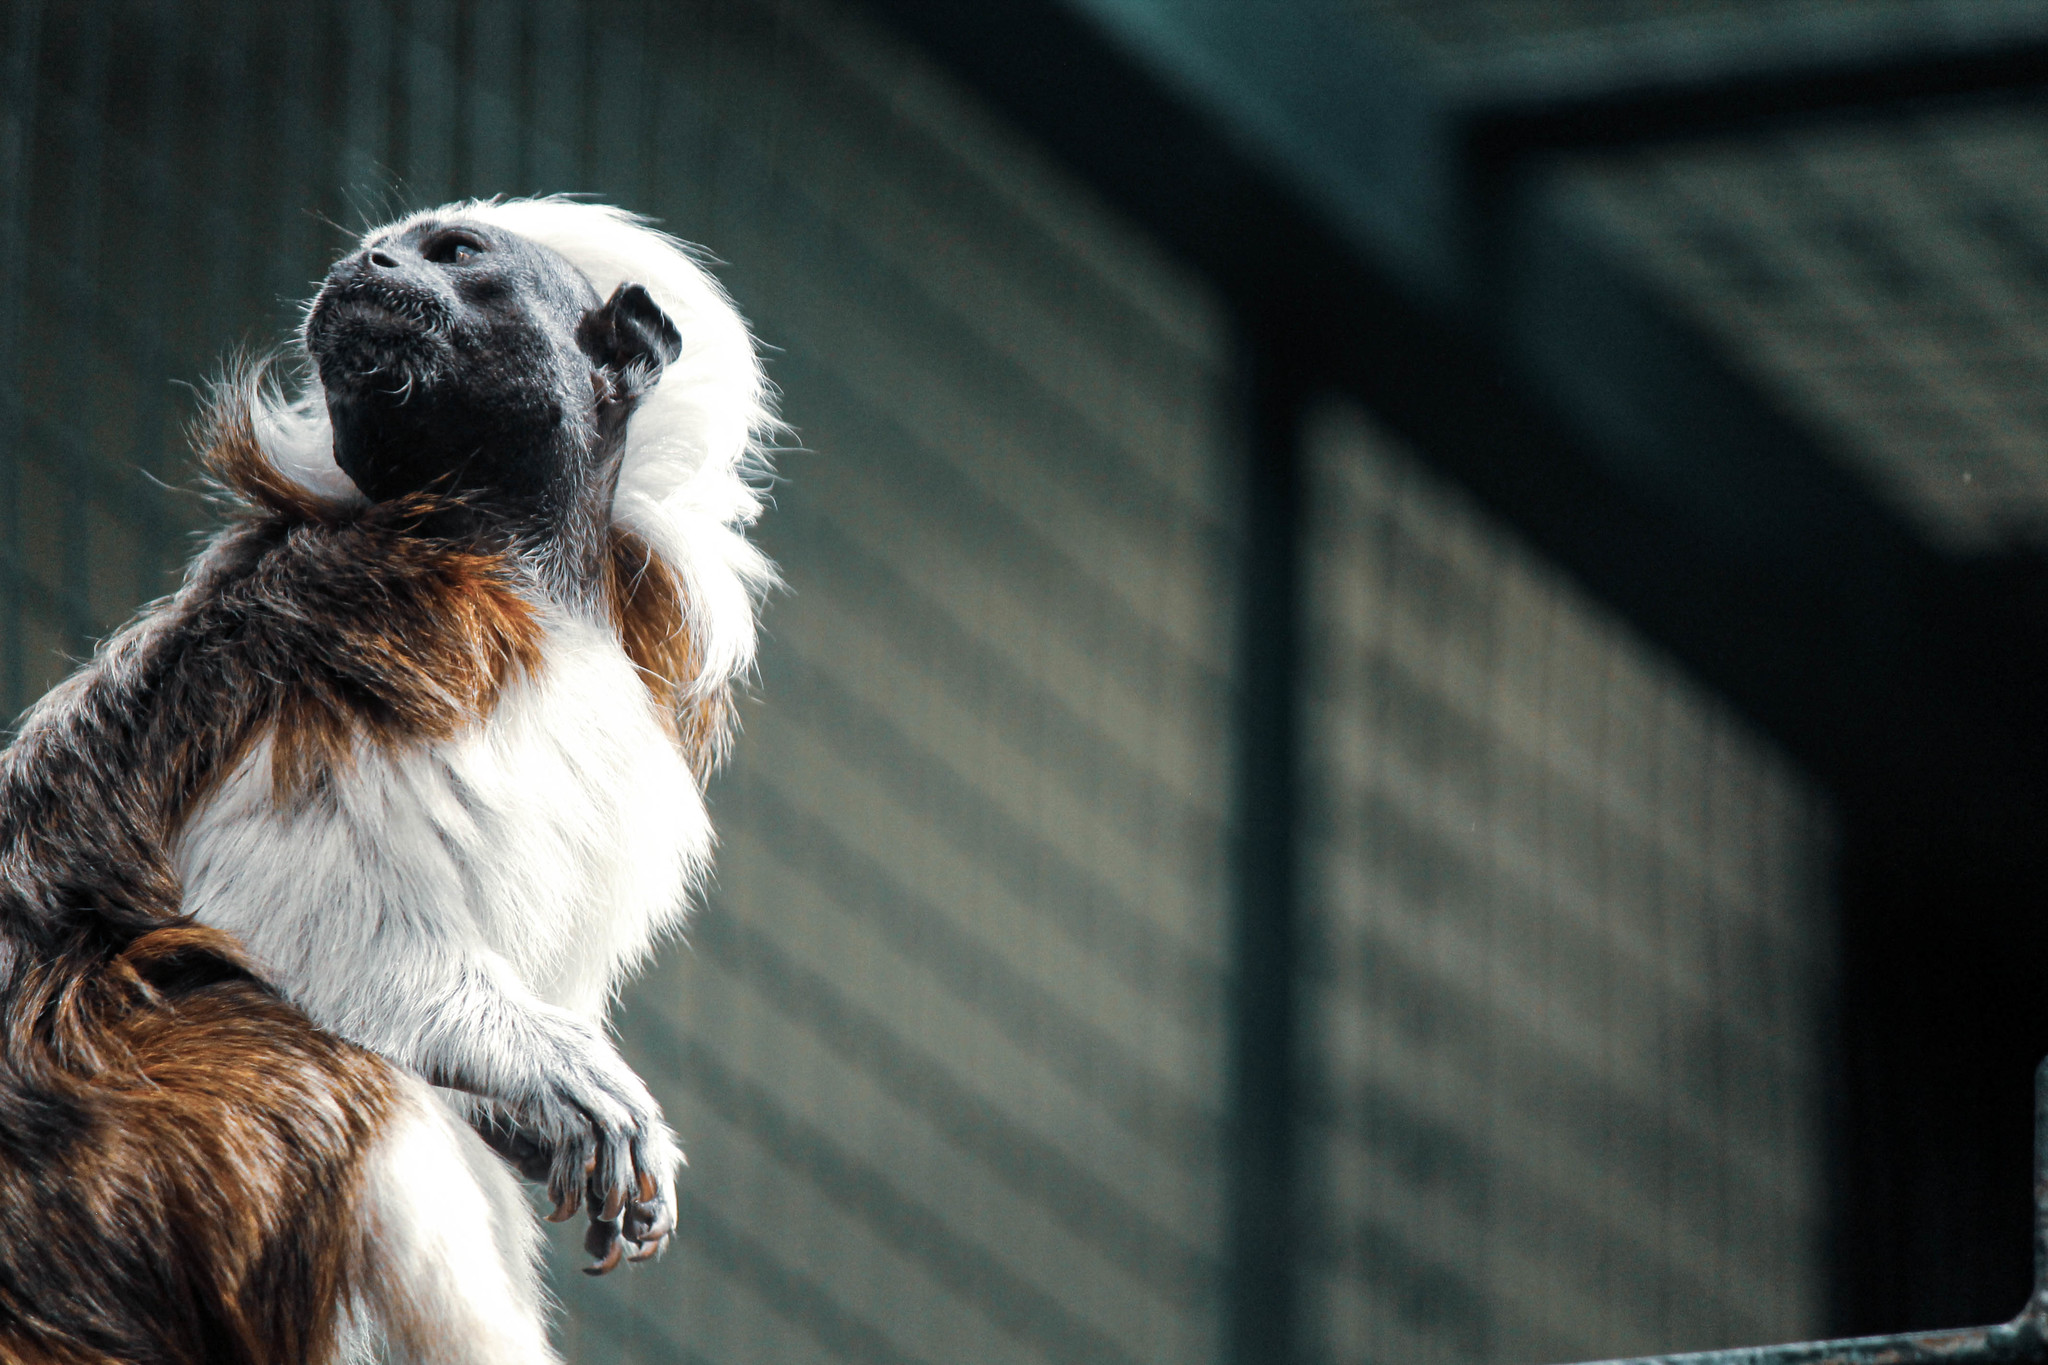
[
  {"x": 607, "y": 1178},
  {"x": 650, "y": 1221},
  {"x": 650, "y": 1171},
  {"x": 603, "y": 1241},
  {"x": 565, "y": 1186},
  {"x": 565, "y": 1189},
  {"x": 637, "y": 1220},
  {"x": 664, "y": 1223},
  {"x": 645, "y": 1222}
]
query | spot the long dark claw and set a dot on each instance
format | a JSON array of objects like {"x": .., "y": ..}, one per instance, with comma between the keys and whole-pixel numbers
[
  {"x": 647, "y": 1251},
  {"x": 604, "y": 1237},
  {"x": 609, "y": 1263},
  {"x": 565, "y": 1207},
  {"x": 608, "y": 1180}
]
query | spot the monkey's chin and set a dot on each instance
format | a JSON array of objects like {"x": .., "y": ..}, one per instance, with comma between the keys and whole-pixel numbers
[
  {"x": 365, "y": 345},
  {"x": 373, "y": 364}
]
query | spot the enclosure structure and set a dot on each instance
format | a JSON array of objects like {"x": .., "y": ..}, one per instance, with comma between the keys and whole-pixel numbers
[
  {"x": 1387, "y": 738},
  {"x": 2021, "y": 1341}
]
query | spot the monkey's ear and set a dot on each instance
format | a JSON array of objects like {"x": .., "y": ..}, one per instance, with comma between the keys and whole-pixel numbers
[{"x": 630, "y": 330}]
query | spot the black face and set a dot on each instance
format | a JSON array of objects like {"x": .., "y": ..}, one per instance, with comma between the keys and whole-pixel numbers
[{"x": 461, "y": 358}]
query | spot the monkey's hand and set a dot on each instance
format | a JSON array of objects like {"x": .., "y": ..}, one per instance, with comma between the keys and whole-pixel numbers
[
  {"x": 567, "y": 1110},
  {"x": 610, "y": 1151},
  {"x": 595, "y": 1138}
]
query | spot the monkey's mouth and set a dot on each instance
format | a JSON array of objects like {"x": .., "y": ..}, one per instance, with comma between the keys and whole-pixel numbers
[{"x": 369, "y": 336}]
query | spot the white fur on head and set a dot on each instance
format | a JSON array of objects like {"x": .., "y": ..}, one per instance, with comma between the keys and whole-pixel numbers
[{"x": 693, "y": 446}]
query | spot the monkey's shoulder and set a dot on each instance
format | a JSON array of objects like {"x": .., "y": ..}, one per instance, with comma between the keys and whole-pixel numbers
[
  {"x": 366, "y": 619},
  {"x": 321, "y": 636}
]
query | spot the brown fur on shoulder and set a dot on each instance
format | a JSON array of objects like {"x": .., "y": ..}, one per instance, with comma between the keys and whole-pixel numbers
[
  {"x": 471, "y": 628},
  {"x": 419, "y": 633}
]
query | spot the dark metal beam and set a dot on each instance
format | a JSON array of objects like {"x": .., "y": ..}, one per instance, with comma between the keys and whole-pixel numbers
[
  {"x": 1707, "y": 102},
  {"x": 1381, "y": 142},
  {"x": 1264, "y": 1232}
]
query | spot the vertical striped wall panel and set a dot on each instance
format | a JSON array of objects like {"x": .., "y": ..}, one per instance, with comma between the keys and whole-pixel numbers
[{"x": 1566, "y": 969}]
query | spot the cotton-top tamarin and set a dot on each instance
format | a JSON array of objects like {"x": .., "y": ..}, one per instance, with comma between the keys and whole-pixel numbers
[{"x": 387, "y": 796}]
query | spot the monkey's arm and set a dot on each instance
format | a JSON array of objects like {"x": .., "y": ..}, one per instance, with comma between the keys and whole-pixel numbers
[
  {"x": 358, "y": 910},
  {"x": 329, "y": 668},
  {"x": 563, "y": 1107}
]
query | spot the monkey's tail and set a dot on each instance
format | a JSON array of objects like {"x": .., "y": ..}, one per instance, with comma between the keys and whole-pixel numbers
[{"x": 181, "y": 1161}]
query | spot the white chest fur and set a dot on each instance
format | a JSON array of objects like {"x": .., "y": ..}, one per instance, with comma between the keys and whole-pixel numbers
[{"x": 555, "y": 841}]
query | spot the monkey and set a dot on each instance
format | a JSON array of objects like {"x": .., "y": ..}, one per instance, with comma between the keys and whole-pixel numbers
[{"x": 317, "y": 880}]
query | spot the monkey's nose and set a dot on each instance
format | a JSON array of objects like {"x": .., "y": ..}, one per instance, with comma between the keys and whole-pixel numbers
[{"x": 383, "y": 259}]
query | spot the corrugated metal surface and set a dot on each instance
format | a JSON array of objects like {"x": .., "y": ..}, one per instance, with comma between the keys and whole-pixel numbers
[
  {"x": 1566, "y": 960},
  {"x": 945, "y": 1050},
  {"x": 1888, "y": 280}
]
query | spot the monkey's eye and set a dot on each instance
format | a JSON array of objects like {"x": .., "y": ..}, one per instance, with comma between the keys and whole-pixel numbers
[{"x": 453, "y": 248}]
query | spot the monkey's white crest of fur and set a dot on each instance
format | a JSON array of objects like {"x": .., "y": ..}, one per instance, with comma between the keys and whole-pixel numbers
[{"x": 692, "y": 446}]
